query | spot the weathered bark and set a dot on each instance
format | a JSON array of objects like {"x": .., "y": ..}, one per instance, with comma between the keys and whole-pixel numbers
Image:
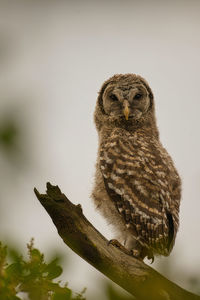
[{"x": 79, "y": 234}]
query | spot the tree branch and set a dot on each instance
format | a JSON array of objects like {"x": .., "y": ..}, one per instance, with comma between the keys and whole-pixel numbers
[{"x": 79, "y": 234}]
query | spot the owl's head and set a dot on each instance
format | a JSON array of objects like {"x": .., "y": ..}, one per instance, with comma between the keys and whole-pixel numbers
[{"x": 125, "y": 100}]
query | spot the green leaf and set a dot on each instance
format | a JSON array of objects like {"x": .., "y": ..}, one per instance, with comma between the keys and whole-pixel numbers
[
  {"x": 53, "y": 270},
  {"x": 36, "y": 255},
  {"x": 63, "y": 296},
  {"x": 14, "y": 270}
]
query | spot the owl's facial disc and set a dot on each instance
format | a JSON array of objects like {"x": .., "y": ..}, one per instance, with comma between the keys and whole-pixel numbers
[{"x": 125, "y": 103}]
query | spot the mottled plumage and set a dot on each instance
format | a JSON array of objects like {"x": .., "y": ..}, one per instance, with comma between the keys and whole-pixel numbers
[{"x": 137, "y": 187}]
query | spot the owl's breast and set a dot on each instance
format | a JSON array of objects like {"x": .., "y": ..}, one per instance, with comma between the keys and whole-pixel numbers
[{"x": 141, "y": 165}]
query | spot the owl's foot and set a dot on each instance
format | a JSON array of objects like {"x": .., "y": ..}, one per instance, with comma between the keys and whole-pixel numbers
[
  {"x": 147, "y": 253},
  {"x": 135, "y": 253},
  {"x": 117, "y": 244}
]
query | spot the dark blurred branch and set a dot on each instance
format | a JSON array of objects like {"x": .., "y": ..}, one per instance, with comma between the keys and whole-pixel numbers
[{"x": 79, "y": 234}]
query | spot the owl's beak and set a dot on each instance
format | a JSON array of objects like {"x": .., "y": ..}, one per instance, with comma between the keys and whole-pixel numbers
[{"x": 126, "y": 110}]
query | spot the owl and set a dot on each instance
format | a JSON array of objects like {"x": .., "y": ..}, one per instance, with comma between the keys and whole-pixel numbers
[{"x": 137, "y": 187}]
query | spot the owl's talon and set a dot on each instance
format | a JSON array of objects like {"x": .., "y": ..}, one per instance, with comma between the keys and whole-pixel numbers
[
  {"x": 115, "y": 243},
  {"x": 151, "y": 257},
  {"x": 118, "y": 245},
  {"x": 135, "y": 253}
]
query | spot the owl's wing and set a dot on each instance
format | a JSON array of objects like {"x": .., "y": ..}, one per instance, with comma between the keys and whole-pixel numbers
[{"x": 132, "y": 186}]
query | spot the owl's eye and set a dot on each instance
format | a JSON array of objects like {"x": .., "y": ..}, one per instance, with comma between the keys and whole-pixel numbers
[
  {"x": 138, "y": 96},
  {"x": 113, "y": 97}
]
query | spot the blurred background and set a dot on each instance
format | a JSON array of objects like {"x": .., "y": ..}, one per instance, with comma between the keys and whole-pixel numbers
[{"x": 54, "y": 57}]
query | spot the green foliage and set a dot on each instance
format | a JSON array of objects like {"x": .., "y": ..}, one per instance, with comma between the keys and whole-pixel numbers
[
  {"x": 8, "y": 134},
  {"x": 33, "y": 276}
]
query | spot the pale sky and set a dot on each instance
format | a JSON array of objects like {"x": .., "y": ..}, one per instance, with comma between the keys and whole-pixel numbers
[{"x": 55, "y": 59}]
